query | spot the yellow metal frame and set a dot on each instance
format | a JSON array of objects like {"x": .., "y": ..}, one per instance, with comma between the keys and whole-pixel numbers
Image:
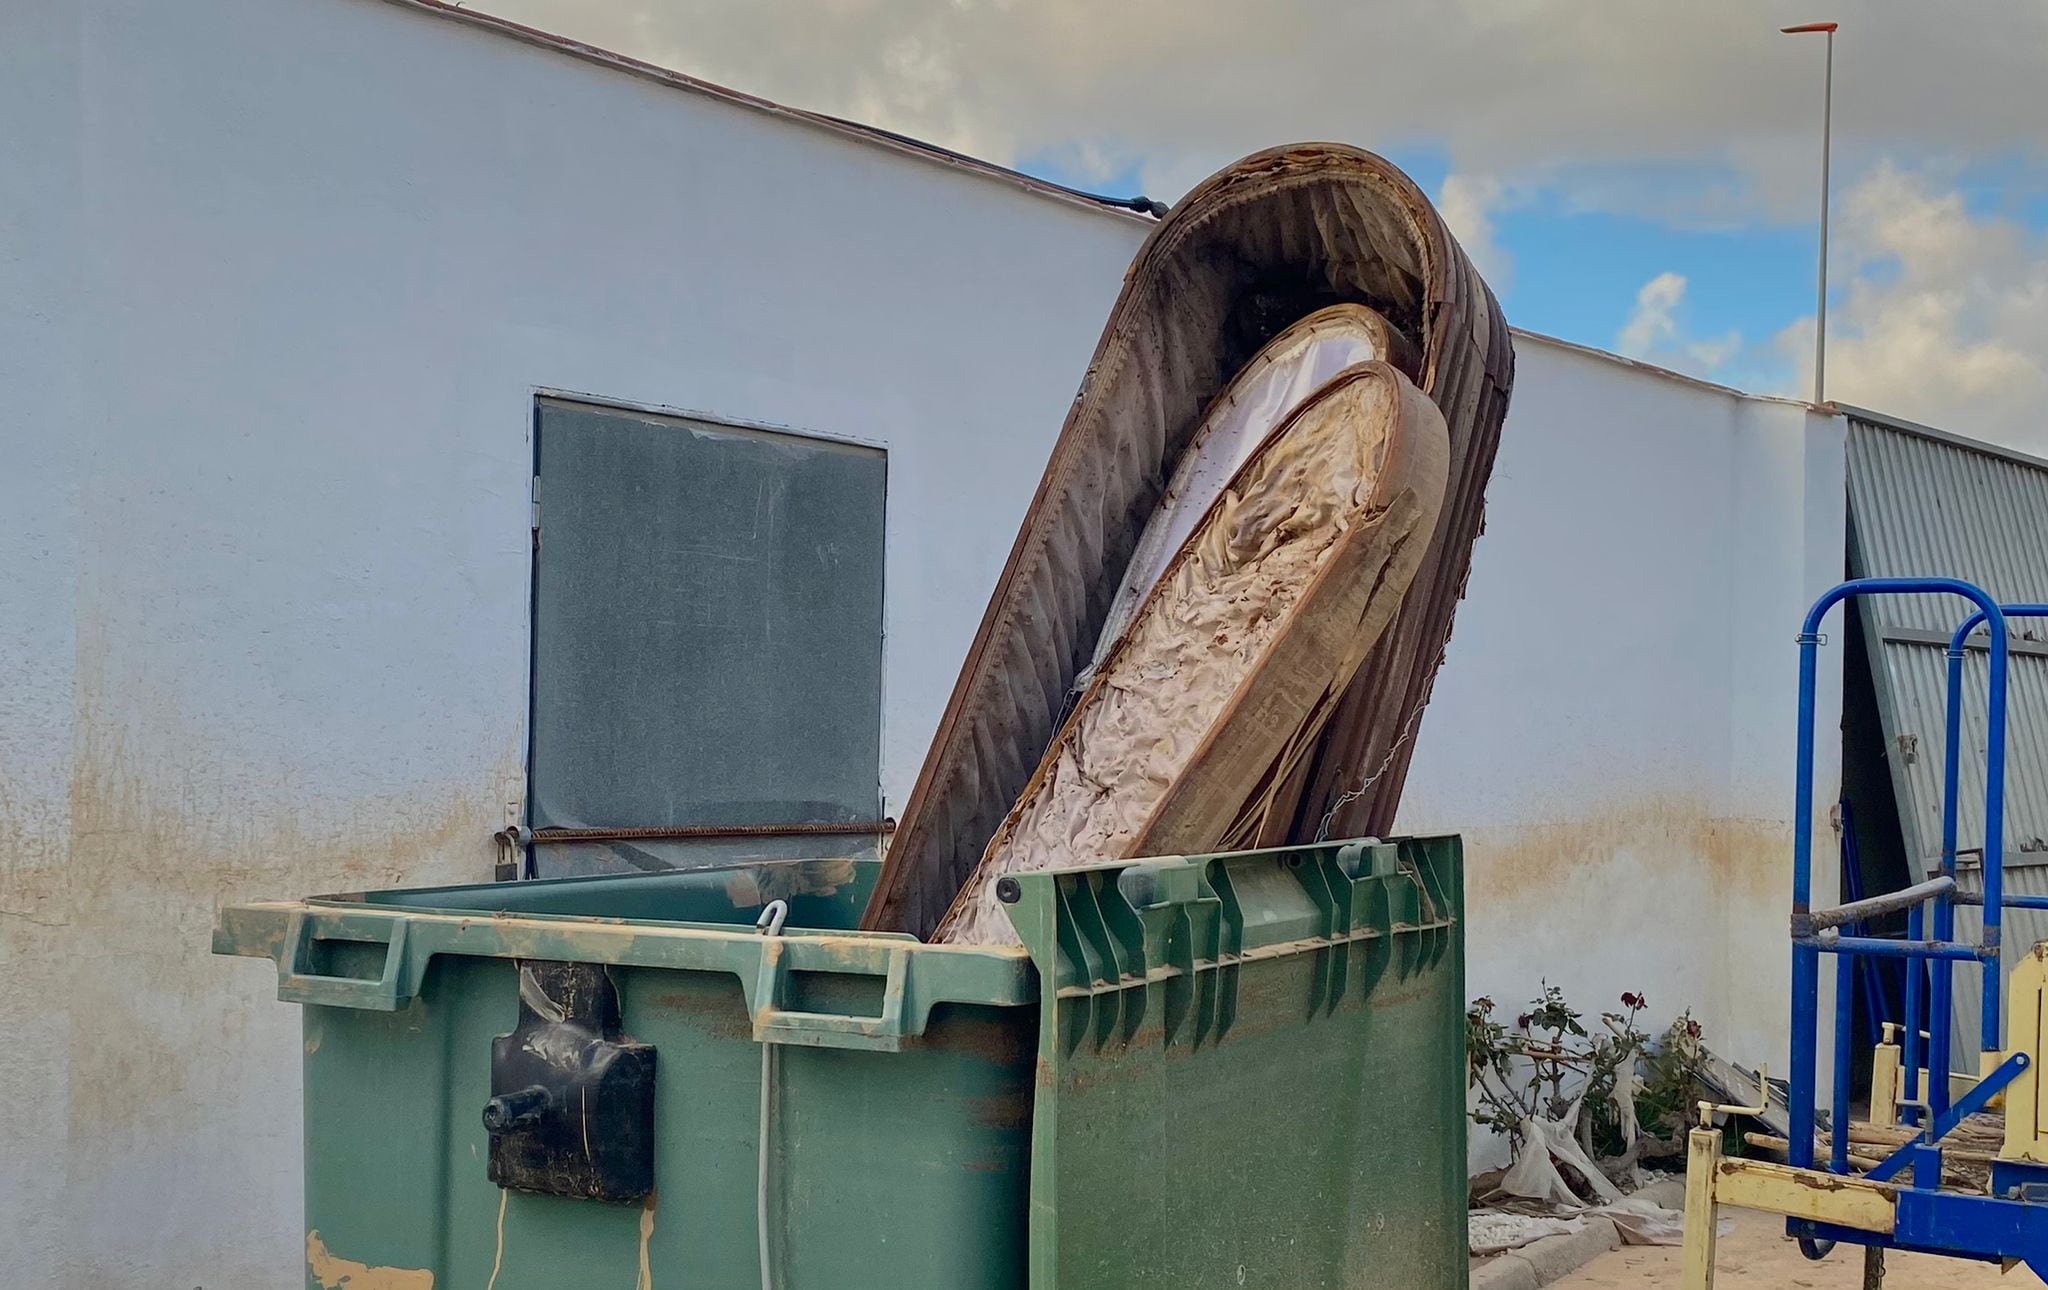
[
  {"x": 2027, "y": 1001},
  {"x": 1712, "y": 1180},
  {"x": 1886, "y": 1083}
]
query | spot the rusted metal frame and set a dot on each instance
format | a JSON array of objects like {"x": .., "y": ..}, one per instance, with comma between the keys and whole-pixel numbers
[{"x": 519, "y": 835}]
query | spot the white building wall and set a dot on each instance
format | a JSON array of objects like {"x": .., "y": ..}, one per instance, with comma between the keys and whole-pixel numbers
[
  {"x": 280, "y": 281},
  {"x": 40, "y": 383},
  {"x": 277, "y": 285},
  {"x": 1613, "y": 730}
]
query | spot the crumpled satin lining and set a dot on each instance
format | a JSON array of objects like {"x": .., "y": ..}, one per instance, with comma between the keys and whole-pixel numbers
[{"x": 1293, "y": 366}]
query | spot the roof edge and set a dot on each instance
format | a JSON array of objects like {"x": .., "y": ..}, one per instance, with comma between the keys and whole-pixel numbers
[
  {"x": 1851, "y": 411},
  {"x": 1918, "y": 431},
  {"x": 1665, "y": 373},
  {"x": 873, "y": 136},
  {"x": 933, "y": 154}
]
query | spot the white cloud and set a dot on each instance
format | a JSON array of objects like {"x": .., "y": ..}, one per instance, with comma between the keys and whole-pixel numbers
[
  {"x": 1650, "y": 323},
  {"x": 1944, "y": 317},
  {"x": 1467, "y": 203},
  {"x": 1656, "y": 332},
  {"x": 1938, "y": 315},
  {"x": 1697, "y": 115},
  {"x": 1521, "y": 90},
  {"x": 1716, "y": 353}
]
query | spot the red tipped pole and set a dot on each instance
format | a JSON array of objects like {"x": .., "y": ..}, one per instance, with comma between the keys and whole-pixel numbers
[{"x": 1827, "y": 115}]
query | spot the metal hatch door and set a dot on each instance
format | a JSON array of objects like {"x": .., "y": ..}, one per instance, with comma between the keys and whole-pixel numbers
[{"x": 707, "y": 642}]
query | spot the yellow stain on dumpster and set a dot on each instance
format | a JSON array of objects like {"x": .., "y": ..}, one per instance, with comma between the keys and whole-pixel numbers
[
  {"x": 646, "y": 1281},
  {"x": 336, "y": 1273},
  {"x": 498, "y": 1259}
]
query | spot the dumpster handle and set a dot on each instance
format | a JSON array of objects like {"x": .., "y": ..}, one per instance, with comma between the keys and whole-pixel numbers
[
  {"x": 387, "y": 992},
  {"x": 775, "y": 1025}
]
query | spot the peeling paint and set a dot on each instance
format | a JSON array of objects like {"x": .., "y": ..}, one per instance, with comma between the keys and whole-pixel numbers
[
  {"x": 746, "y": 889},
  {"x": 336, "y": 1273}
]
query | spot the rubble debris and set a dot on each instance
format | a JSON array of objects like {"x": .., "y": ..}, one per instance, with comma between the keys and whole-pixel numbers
[{"x": 1735, "y": 1085}]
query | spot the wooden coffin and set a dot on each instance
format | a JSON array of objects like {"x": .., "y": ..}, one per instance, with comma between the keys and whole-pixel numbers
[
  {"x": 1256, "y": 627},
  {"x": 1248, "y": 252}
]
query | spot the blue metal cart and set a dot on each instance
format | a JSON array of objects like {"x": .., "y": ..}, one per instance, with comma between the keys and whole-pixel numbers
[{"x": 1902, "y": 1202}]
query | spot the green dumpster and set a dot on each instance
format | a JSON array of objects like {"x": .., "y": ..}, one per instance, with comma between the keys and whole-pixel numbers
[{"x": 1240, "y": 1070}]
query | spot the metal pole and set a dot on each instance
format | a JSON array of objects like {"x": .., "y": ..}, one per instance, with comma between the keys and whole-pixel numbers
[
  {"x": 1805, "y": 957},
  {"x": 1827, "y": 127},
  {"x": 1941, "y": 978},
  {"x": 1820, "y": 308},
  {"x": 1845, "y": 1028}
]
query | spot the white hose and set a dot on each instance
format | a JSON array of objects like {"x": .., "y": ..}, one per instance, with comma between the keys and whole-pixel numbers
[{"x": 768, "y": 924}]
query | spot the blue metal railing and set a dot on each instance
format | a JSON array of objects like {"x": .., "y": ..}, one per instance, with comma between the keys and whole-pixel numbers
[
  {"x": 1939, "y": 1021},
  {"x": 1809, "y": 941},
  {"x": 1873, "y": 984}
]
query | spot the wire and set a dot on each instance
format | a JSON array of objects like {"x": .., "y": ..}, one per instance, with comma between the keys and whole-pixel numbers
[
  {"x": 768, "y": 924},
  {"x": 1141, "y": 204},
  {"x": 1350, "y": 795}
]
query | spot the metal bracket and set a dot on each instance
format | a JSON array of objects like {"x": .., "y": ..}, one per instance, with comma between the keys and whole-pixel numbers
[
  {"x": 1708, "y": 1110},
  {"x": 572, "y": 1098}
]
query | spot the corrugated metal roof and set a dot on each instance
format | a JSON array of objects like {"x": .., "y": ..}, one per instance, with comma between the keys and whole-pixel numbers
[{"x": 1927, "y": 504}]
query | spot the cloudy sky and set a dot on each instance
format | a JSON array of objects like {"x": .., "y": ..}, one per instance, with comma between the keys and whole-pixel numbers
[{"x": 1637, "y": 176}]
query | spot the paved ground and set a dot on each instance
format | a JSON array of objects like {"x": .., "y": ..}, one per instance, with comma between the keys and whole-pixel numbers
[{"x": 1756, "y": 1256}]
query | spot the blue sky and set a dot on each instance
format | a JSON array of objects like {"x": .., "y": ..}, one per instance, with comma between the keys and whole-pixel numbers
[{"x": 1574, "y": 272}]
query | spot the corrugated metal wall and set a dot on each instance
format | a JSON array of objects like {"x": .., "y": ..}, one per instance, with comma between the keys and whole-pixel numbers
[{"x": 1926, "y": 504}]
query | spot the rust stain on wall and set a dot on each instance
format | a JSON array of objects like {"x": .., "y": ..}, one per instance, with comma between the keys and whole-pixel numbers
[
  {"x": 33, "y": 840},
  {"x": 147, "y": 874},
  {"x": 1659, "y": 889},
  {"x": 169, "y": 1055},
  {"x": 336, "y": 1273},
  {"x": 1635, "y": 840}
]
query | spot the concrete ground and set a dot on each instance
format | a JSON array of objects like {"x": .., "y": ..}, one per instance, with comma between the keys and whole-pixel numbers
[{"x": 1756, "y": 1256}]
